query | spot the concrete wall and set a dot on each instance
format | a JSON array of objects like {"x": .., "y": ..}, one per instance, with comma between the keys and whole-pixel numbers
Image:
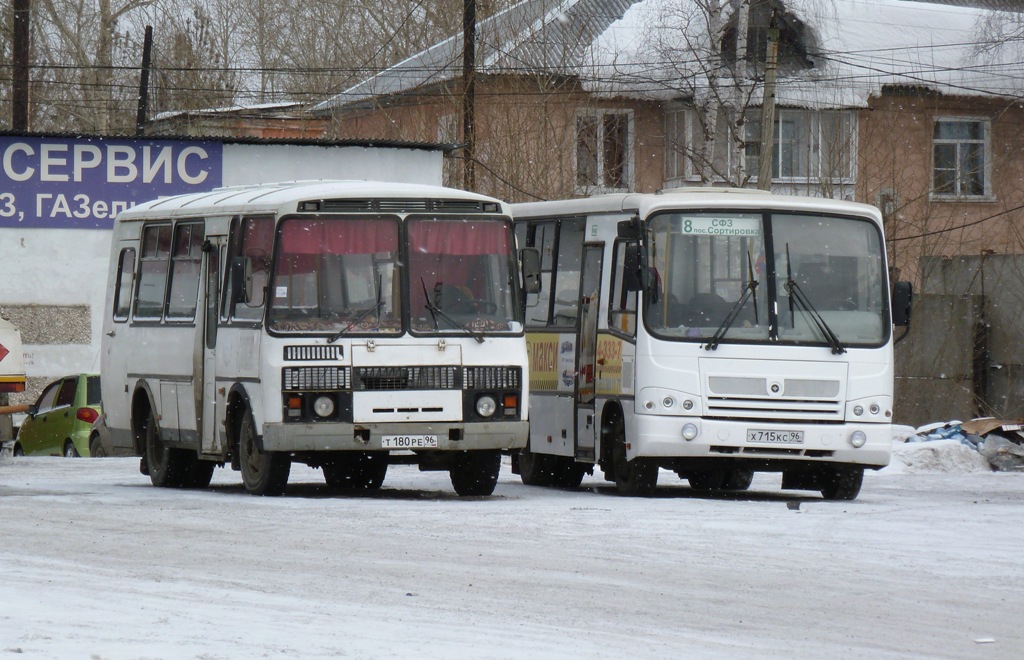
[{"x": 963, "y": 356}]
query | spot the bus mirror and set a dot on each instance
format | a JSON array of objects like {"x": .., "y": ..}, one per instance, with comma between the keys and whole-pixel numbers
[
  {"x": 629, "y": 229},
  {"x": 902, "y": 297},
  {"x": 241, "y": 280},
  {"x": 631, "y": 268},
  {"x": 529, "y": 259}
]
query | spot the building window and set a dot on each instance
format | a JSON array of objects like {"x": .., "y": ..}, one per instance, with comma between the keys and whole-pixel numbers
[
  {"x": 807, "y": 145},
  {"x": 959, "y": 153},
  {"x": 603, "y": 151},
  {"x": 676, "y": 132}
]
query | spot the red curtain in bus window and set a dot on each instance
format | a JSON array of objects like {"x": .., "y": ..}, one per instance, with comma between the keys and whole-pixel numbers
[
  {"x": 338, "y": 236},
  {"x": 449, "y": 252}
]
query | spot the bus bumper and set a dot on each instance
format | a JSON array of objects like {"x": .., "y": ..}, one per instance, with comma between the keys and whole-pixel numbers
[
  {"x": 662, "y": 437},
  {"x": 351, "y": 437}
]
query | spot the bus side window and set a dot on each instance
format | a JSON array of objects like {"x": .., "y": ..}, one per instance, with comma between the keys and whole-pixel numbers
[
  {"x": 153, "y": 266},
  {"x": 123, "y": 284},
  {"x": 185, "y": 262},
  {"x": 538, "y": 305},
  {"x": 622, "y": 303},
  {"x": 566, "y": 308},
  {"x": 251, "y": 238}
]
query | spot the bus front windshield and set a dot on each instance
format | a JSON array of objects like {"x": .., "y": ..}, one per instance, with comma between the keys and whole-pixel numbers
[
  {"x": 461, "y": 276},
  {"x": 710, "y": 279},
  {"x": 344, "y": 275},
  {"x": 336, "y": 275}
]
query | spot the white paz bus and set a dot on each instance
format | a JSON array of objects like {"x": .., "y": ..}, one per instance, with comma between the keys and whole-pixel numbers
[
  {"x": 713, "y": 333},
  {"x": 344, "y": 325}
]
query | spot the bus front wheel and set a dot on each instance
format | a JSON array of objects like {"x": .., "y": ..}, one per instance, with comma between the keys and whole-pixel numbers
[
  {"x": 263, "y": 472},
  {"x": 841, "y": 482},
  {"x": 476, "y": 472},
  {"x": 636, "y": 477}
]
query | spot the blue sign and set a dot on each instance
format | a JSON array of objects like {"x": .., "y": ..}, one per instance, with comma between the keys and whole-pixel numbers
[{"x": 83, "y": 183}]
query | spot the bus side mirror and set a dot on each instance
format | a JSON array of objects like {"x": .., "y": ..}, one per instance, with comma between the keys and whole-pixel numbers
[
  {"x": 902, "y": 297},
  {"x": 241, "y": 280},
  {"x": 631, "y": 280},
  {"x": 529, "y": 260},
  {"x": 629, "y": 229}
]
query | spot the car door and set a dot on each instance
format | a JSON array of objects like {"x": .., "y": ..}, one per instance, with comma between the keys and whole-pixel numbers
[{"x": 32, "y": 436}]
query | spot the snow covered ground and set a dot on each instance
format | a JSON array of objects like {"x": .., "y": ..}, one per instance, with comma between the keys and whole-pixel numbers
[{"x": 96, "y": 563}]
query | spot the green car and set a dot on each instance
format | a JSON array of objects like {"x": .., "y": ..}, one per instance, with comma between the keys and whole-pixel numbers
[{"x": 60, "y": 421}]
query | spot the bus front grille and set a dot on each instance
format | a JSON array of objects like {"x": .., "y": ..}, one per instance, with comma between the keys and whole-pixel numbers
[{"x": 406, "y": 378}]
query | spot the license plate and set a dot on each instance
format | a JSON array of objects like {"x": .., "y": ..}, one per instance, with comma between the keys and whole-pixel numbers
[
  {"x": 409, "y": 442},
  {"x": 775, "y": 437}
]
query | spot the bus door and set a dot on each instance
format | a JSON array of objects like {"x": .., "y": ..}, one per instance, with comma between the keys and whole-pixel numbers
[
  {"x": 586, "y": 356},
  {"x": 118, "y": 348},
  {"x": 206, "y": 372}
]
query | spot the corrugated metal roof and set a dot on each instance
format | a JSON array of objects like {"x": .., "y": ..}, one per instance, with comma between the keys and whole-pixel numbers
[{"x": 538, "y": 35}]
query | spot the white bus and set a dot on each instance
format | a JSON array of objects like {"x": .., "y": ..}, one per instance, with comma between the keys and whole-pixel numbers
[
  {"x": 345, "y": 325},
  {"x": 713, "y": 333}
]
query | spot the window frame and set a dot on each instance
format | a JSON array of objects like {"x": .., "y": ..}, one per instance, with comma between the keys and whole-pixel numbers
[
  {"x": 123, "y": 290},
  {"x": 599, "y": 182},
  {"x": 986, "y": 171}
]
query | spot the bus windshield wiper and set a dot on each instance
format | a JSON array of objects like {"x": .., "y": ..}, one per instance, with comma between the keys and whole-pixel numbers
[
  {"x": 798, "y": 298},
  {"x": 436, "y": 311},
  {"x": 357, "y": 320},
  {"x": 749, "y": 290}
]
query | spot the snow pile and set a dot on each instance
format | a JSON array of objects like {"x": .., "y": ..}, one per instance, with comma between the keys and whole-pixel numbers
[
  {"x": 980, "y": 445},
  {"x": 942, "y": 456}
]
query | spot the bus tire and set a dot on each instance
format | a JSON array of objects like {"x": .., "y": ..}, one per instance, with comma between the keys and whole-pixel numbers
[
  {"x": 364, "y": 470},
  {"x": 638, "y": 477},
  {"x": 166, "y": 465},
  {"x": 96, "y": 449},
  {"x": 568, "y": 473},
  {"x": 841, "y": 482},
  {"x": 536, "y": 469},
  {"x": 263, "y": 472},
  {"x": 475, "y": 473},
  {"x": 199, "y": 473},
  {"x": 738, "y": 479}
]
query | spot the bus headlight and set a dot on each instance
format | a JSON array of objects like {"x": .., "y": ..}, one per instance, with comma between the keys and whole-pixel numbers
[
  {"x": 858, "y": 439},
  {"x": 323, "y": 406},
  {"x": 485, "y": 406},
  {"x": 689, "y": 431}
]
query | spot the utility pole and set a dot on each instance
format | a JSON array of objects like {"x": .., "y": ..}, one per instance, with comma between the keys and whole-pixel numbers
[
  {"x": 468, "y": 92},
  {"x": 764, "y": 163},
  {"x": 21, "y": 47},
  {"x": 140, "y": 115}
]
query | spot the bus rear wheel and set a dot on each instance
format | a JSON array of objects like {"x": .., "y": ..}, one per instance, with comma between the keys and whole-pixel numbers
[
  {"x": 536, "y": 469},
  {"x": 263, "y": 472},
  {"x": 364, "y": 470},
  {"x": 636, "y": 477},
  {"x": 167, "y": 465},
  {"x": 475, "y": 473}
]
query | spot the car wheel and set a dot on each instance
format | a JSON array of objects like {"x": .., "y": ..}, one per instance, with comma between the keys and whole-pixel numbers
[
  {"x": 96, "y": 449},
  {"x": 636, "y": 477},
  {"x": 363, "y": 470},
  {"x": 841, "y": 483},
  {"x": 263, "y": 472},
  {"x": 476, "y": 472},
  {"x": 166, "y": 465},
  {"x": 69, "y": 450},
  {"x": 18, "y": 451}
]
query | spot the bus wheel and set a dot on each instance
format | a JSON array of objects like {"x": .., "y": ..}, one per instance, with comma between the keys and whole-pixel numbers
[
  {"x": 364, "y": 470},
  {"x": 199, "y": 473},
  {"x": 536, "y": 469},
  {"x": 841, "y": 482},
  {"x": 263, "y": 472},
  {"x": 738, "y": 479},
  {"x": 636, "y": 477},
  {"x": 96, "y": 449},
  {"x": 476, "y": 472},
  {"x": 166, "y": 465},
  {"x": 568, "y": 473}
]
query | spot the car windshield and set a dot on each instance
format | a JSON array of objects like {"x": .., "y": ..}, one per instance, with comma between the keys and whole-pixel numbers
[
  {"x": 710, "y": 278},
  {"x": 336, "y": 275}
]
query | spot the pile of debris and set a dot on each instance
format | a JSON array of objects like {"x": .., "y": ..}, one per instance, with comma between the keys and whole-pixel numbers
[{"x": 1000, "y": 441}]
